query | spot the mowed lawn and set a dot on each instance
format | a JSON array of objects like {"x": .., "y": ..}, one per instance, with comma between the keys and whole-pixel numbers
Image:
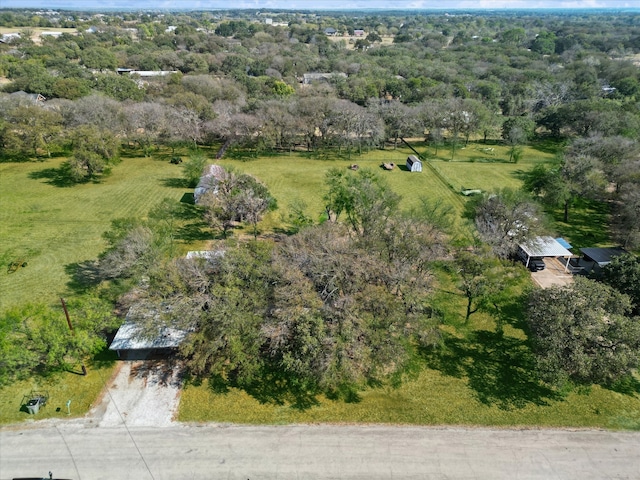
[
  {"x": 431, "y": 398},
  {"x": 83, "y": 391},
  {"x": 51, "y": 227}
]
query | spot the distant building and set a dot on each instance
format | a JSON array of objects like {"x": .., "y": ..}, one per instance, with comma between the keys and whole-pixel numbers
[
  {"x": 309, "y": 78},
  {"x": 330, "y": 31},
  {"x": 9, "y": 37},
  {"x": 152, "y": 73},
  {"x": 34, "y": 97},
  {"x": 50, "y": 34},
  {"x": 358, "y": 33}
]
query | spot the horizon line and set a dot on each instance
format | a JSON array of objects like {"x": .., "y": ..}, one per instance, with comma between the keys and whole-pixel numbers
[{"x": 199, "y": 8}]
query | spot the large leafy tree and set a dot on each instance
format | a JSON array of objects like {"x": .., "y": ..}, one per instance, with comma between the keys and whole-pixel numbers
[
  {"x": 346, "y": 312},
  {"x": 507, "y": 219},
  {"x": 623, "y": 274},
  {"x": 224, "y": 302},
  {"x": 35, "y": 338},
  {"x": 517, "y": 131},
  {"x": 483, "y": 279},
  {"x": 237, "y": 197},
  {"x": 560, "y": 185},
  {"x": 364, "y": 197},
  {"x": 583, "y": 333},
  {"x": 31, "y": 130},
  {"x": 93, "y": 151}
]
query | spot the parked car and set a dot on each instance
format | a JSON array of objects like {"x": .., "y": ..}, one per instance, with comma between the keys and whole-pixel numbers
[{"x": 536, "y": 264}]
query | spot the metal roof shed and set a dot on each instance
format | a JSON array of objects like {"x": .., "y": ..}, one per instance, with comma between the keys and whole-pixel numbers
[
  {"x": 132, "y": 336},
  {"x": 545, "y": 247},
  {"x": 414, "y": 164},
  {"x": 602, "y": 256}
]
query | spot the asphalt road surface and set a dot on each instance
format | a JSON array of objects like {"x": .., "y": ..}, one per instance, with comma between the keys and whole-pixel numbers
[{"x": 82, "y": 451}]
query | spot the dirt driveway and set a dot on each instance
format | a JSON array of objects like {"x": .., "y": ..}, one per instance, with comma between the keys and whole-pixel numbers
[
  {"x": 553, "y": 274},
  {"x": 143, "y": 393}
]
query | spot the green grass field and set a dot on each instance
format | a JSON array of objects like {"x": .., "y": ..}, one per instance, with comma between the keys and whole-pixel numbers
[{"x": 52, "y": 227}]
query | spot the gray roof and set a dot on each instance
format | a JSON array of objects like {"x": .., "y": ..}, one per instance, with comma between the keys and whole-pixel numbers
[
  {"x": 131, "y": 335},
  {"x": 316, "y": 76},
  {"x": 211, "y": 175},
  {"x": 603, "y": 256},
  {"x": 545, "y": 247}
]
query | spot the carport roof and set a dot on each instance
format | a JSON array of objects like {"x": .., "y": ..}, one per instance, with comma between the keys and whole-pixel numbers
[
  {"x": 132, "y": 335},
  {"x": 545, "y": 247}
]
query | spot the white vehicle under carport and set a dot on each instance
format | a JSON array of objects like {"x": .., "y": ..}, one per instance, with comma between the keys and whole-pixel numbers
[{"x": 533, "y": 252}]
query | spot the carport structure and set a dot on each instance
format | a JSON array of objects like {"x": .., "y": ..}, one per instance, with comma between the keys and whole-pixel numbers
[
  {"x": 546, "y": 247},
  {"x": 134, "y": 341}
]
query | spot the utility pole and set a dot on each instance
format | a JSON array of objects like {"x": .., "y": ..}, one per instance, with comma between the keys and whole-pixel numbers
[{"x": 66, "y": 313}]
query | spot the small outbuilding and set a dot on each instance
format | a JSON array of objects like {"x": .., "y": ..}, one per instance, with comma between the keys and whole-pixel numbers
[
  {"x": 414, "y": 164},
  {"x": 602, "y": 256},
  {"x": 211, "y": 176}
]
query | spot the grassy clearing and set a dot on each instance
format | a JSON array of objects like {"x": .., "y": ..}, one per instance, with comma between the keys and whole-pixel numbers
[
  {"x": 587, "y": 226},
  {"x": 82, "y": 391},
  {"x": 52, "y": 227},
  {"x": 431, "y": 398}
]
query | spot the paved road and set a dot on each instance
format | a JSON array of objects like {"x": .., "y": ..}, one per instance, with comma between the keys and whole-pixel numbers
[{"x": 80, "y": 451}]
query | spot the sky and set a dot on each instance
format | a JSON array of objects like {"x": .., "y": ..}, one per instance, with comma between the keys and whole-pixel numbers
[{"x": 318, "y": 4}]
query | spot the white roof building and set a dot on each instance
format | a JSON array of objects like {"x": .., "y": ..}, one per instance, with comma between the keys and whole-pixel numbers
[
  {"x": 133, "y": 336},
  {"x": 545, "y": 247}
]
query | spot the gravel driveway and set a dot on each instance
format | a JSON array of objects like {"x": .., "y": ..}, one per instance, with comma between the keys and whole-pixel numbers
[{"x": 143, "y": 393}]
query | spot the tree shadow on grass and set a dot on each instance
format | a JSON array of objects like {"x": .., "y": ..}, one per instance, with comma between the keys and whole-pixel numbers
[
  {"x": 500, "y": 369},
  {"x": 176, "y": 182},
  {"x": 194, "y": 231},
  {"x": 627, "y": 385},
  {"x": 84, "y": 275},
  {"x": 548, "y": 145},
  {"x": 272, "y": 387},
  {"x": 587, "y": 225},
  {"x": 58, "y": 177},
  {"x": 103, "y": 359}
]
